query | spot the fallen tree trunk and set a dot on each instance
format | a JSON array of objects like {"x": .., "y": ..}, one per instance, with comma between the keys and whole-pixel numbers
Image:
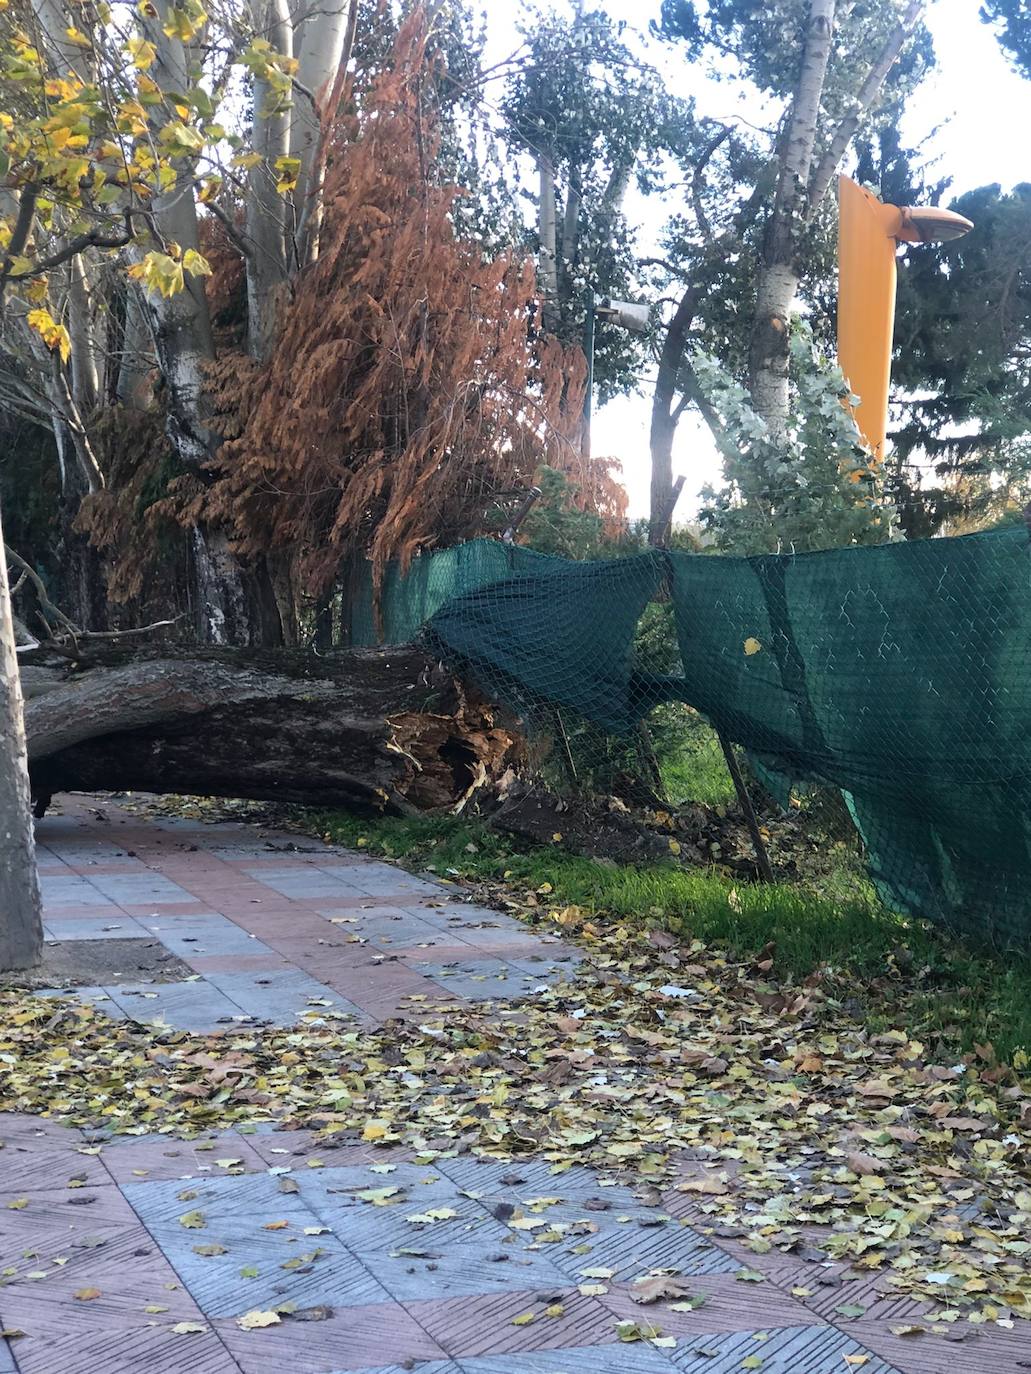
[{"x": 386, "y": 729}]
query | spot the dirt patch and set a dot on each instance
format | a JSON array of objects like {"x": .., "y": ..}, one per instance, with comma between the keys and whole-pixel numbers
[
  {"x": 99, "y": 963},
  {"x": 693, "y": 836}
]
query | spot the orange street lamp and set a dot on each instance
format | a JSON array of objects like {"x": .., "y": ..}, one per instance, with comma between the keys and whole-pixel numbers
[{"x": 868, "y": 233}]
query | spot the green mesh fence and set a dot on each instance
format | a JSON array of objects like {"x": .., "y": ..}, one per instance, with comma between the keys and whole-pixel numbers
[{"x": 900, "y": 675}]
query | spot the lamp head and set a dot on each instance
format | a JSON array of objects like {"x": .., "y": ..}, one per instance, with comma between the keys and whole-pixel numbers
[{"x": 927, "y": 224}]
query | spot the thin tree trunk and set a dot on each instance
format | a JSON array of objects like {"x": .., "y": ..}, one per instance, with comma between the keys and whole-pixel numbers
[
  {"x": 85, "y": 375},
  {"x": 137, "y": 360},
  {"x": 779, "y": 274},
  {"x": 666, "y": 413},
  {"x": 21, "y": 927},
  {"x": 547, "y": 232},
  {"x": 266, "y": 208},
  {"x": 326, "y": 36},
  {"x": 570, "y": 231}
]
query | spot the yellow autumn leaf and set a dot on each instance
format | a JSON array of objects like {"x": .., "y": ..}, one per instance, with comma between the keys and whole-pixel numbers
[
  {"x": 141, "y": 52},
  {"x": 252, "y": 1321},
  {"x": 196, "y": 264},
  {"x": 287, "y": 169},
  {"x": 54, "y": 335}
]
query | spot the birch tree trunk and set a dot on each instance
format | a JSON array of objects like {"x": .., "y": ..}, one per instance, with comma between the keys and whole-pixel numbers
[
  {"x": 546, "y": 227},
  {"x": 325, "y": 33},
  {"x": 137, "y": 354},
  {"x": 266, "y": 208},
  {"x": 779, "y": 275},
  {"x": 21, "y": 928}
]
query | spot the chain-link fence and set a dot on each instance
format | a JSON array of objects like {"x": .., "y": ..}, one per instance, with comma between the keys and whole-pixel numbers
[{"x": 896, "y": 681}]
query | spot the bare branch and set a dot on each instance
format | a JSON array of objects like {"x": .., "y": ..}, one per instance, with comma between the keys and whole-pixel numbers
[
  {"x": 696, "y": 178},
  {"x": 46, "y": 605}
]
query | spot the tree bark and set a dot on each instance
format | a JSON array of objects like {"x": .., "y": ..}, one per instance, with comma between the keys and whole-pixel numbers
[
  {"x": 779, "y": 273},
  {"x": 322, "y": 48},
  {"x": 384, "y": 729},
  {"x": 665, "y": 412},
  {"x": 266, "y": 217},
  {"x": 21, "y": 927},
  {"x": 547, "y": 233}
]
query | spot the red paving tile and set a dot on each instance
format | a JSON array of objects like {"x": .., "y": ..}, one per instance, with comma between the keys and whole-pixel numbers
[
  {"x": 981, "y": 1350},
  {"x": 235, "y": 963},
  {"x": 135, "y": 1162},
  {"x": 353, "y": 1338},
  {"x": 149, "y": 1350},
  {"x": 729, "y": 1306},
  {"x": 482, "y": 1325}
]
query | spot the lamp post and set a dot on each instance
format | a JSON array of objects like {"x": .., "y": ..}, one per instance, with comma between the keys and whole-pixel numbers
[{"x": 868, "y": 234}]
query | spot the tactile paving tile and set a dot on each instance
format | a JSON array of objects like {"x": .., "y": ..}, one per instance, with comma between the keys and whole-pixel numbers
[
  {"x": 592, "y": 1359},
  {"x": 458, "y": 1269},
  {"x": 630, "y": 1249},
  {"x": 322, "y": 1270},
  {"x": 352, "y": 1339},
  {"x": 155, "y": 1350},
  {"x": 790, "y": 1350}
]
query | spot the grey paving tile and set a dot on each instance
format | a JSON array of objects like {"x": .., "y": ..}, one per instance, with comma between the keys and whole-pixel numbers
[
  {"x": 61, "y": 891},
  {"x": 592, "y": 1359},
  {"x": 630, "y": 1248},
  {"x": 544, "y": 961},
  {"x": 476, "y": 979},
  {"x": 97, "y": 997},
  {"x": 300, "y": 884},
  {"x": 789, "y": 1350},
  {"x": 509, "y": 937},
  {"x": 117, "y": 927},
  {"x": 460, "y": 1270},
  {"x": 253, "y": 1200},
  {"x": 204, "y": 934},
  {"x": 132, "y": 889},
  {"x": 427, "y": 1367},
  {"x": 418, "y": 1185},
  {"x": 440, "y": 911},
  {"x": 196, "y": 1006},
  {"x": 282, "y": 996},
  {"x": 521, "y": 1180},
  {"x": 307, "y": 1270},
  {"x": 376, "y": 878},
  {"x": 390, "y": 929}
]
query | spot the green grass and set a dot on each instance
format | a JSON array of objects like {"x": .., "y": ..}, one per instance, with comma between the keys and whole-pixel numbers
[
  {"x": 692, "y": 764},
  {"x": 900, "y": 972},
  {"x": 698, "y": 775}
]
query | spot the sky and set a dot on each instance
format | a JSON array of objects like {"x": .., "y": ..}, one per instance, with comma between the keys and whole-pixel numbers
[{"x": 971, "y": 115}]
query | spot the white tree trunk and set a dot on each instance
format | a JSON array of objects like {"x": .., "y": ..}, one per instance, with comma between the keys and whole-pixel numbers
[
  {"x": 136, "y": 359},
  {"x": 546, "y": 229},
  {"x": 21, "y": 928},
  {"x": 85, "y": 373},
  {"x": 266, "y": 208},
  {"x": 778, "y": 277},
  {"x": 326, "y": 34}
]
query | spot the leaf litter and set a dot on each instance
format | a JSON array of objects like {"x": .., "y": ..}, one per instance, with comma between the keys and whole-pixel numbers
[{"x": 785, "y": 1121}]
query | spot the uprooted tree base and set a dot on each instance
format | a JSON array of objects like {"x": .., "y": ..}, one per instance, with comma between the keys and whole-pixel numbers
[{"x": 387, "y": 729}]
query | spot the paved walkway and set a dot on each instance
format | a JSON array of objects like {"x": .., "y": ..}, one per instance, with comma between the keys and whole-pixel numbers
[{"x": 271, "y": 932}]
